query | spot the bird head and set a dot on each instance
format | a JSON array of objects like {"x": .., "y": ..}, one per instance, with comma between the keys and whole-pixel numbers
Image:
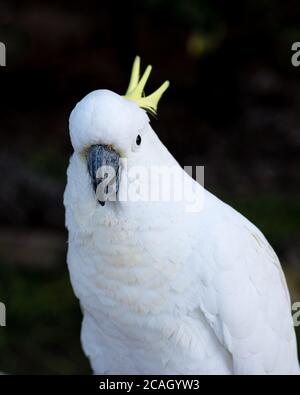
[{"x": 105, "y": 127}]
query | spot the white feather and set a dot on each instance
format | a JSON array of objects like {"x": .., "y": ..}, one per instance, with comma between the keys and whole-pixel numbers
[{"x": 164, "y": 291}]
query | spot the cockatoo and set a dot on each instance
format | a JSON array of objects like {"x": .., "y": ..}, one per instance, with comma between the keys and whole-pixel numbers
[{"x": 164, "y": 289}]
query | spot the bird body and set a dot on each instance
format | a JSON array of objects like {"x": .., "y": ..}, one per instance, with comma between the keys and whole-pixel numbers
[{"x": 164, "y": 290}]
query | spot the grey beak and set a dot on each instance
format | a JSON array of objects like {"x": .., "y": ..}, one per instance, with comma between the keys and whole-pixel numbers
[{"x": 103, "y": 167}]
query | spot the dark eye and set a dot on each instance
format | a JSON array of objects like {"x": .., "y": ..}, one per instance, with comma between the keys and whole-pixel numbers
[{"x": 138, "y": 140}]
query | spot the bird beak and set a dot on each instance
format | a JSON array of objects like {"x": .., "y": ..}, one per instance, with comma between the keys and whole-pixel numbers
[{"x": 103, "y": 167}]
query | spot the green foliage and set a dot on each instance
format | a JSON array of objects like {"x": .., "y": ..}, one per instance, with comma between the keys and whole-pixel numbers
[
  {"x": 278, "y": 217},
  {"x": 43, "y": 323},
  {"x": 200, "y": 14},
  {"x": 48, "y": 162}
]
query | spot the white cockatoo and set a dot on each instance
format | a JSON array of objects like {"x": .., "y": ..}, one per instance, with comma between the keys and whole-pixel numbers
[{"x": 165, "y": 289}]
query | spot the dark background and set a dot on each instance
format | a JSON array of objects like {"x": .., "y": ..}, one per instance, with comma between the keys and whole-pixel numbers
[{"x": 233, "y": 106}]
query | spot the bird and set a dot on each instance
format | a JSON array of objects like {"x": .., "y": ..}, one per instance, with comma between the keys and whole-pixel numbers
[{"x": 165, "y": 286}]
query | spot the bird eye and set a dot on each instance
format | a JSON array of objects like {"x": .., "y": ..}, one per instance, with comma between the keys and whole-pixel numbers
[
  {"x": 136, "y": 143},
  {"x": 138, "y": 140}
]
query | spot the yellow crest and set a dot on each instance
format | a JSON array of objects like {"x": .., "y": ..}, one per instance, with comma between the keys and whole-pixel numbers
[{"x": 136, "y": 87}]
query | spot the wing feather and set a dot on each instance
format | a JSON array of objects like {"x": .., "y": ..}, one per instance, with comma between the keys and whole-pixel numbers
[{"x": 245, "y": 298}]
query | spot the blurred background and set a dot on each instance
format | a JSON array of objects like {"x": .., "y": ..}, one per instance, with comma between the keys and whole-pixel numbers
[{"x": 233, "y": 106}]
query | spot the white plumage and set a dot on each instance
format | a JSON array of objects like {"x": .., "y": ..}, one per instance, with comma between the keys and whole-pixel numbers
[{"x": 164, "y": 291}]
